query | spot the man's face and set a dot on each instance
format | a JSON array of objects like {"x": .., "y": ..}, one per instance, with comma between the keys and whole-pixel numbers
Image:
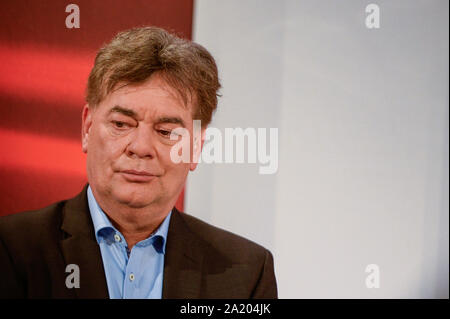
[{"x": 127, "y": 141}]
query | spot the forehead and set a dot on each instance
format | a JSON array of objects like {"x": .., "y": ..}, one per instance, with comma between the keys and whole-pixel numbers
[{"x": 152, "y": 97}]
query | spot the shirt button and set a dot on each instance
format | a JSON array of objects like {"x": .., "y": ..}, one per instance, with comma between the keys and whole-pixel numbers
[
  {"x": 131, "y": 277},
  {"x": 117, "y": 237}
]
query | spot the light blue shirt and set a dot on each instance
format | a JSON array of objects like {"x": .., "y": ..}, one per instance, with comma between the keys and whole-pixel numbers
[{"x": 135, "y": 274}]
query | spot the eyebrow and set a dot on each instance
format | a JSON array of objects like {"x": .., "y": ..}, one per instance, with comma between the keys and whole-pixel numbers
[
  {"x": 173, "y": 120},
  {"x": 124, "y": 111},
  {"x": 131, "y": 113}
]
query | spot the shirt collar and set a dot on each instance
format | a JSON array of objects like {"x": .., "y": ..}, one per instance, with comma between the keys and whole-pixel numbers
[{"x": 104, "y": 230}]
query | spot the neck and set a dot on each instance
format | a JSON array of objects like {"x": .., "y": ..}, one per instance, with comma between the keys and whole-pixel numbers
[{"x": 135, "y": 224}]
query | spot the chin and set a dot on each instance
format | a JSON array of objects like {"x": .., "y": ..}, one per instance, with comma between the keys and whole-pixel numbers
[{"x": 135, "y": 198}]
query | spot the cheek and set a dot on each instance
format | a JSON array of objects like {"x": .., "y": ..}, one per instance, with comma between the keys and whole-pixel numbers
[
  {"x": 163, "y": 155},
  {"x": 173, "y": 169},
  {"x": 105, "y": 147}
]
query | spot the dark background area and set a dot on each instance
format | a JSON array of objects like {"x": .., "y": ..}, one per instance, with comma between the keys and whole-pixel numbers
[{"x": 44, "y": 68}]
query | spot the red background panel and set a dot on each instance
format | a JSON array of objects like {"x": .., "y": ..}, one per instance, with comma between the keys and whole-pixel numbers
[{"x": 44, "y": 67}]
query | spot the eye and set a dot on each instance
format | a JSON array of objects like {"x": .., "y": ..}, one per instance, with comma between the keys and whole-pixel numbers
[
  {"x": 164, "y": 132},
  {"x": 119, "y": 124}
]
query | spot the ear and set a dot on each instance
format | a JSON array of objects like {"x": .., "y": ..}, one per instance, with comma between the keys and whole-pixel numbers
[
  {"x": 197, "y": 149},
  {"x": 86, "y": 123}
]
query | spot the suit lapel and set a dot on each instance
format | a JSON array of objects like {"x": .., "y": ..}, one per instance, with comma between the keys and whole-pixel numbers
[
  {"x": 81, "y": 248},
  {"x": 183, "y": 261}
]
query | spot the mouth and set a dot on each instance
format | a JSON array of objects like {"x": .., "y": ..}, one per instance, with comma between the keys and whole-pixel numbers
[{"x": 137, "y": 176}]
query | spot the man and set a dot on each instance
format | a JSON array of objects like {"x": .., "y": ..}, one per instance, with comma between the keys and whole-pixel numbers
[{"x": 122, "y": 237}]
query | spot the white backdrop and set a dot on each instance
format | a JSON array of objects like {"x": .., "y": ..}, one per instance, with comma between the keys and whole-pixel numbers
[{"x": 363, "y": 142}]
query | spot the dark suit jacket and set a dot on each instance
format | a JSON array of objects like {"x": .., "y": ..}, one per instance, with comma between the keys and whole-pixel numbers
[{"x": 201, "y": 261}]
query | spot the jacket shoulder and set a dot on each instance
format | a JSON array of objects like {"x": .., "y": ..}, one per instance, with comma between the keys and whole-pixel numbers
[
  {"x": 31, "y": 225},
  {"x": 237, "y": 266},
  {"x": 231, "y": 245}
]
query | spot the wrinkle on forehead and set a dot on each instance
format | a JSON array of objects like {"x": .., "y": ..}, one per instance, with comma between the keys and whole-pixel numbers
[
  {"x": 158, "y": 81},
  {"x": 154, "y": 99}
]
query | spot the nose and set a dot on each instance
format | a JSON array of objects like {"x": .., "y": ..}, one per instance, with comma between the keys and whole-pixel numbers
[{"x": 142, "y": 144}]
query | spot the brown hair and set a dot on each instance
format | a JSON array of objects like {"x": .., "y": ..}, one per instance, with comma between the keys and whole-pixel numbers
[{"x": 134, "y": 55}]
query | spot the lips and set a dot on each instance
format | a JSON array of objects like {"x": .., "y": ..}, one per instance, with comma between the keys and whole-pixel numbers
[{"x": 137, "y": 176}]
